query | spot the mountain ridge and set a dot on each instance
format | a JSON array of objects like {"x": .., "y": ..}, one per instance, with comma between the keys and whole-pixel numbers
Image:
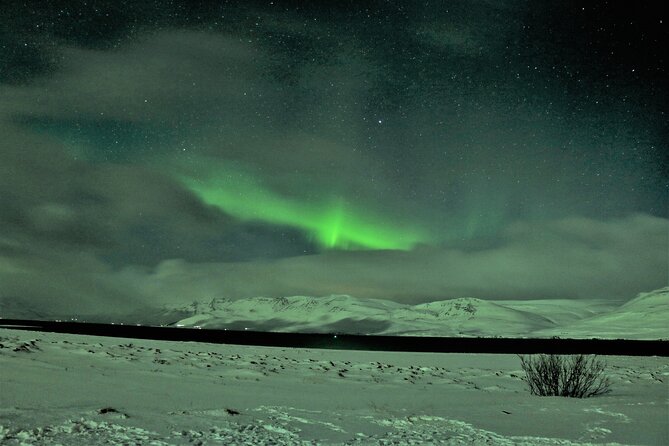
[{"x": 464, "y": 316}]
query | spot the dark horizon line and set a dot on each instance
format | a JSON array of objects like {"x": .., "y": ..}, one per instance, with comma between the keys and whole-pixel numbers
[{"x": 342, "y": 341}]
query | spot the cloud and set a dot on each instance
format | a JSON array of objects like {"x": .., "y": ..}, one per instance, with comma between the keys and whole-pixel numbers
[
  {"x": 146, "y": 80},
  {"x": 179, "y": 102},
  {"x": 96, "y": 237},
  {"x": 59, "y": 189},
  {"x": 567, "y": 258},
  {"x": 189, "y": 94},
  {"x": 67, "y": 225},
  {"x": 83, "y": 233},
  {"x": 473, "y": 29}
]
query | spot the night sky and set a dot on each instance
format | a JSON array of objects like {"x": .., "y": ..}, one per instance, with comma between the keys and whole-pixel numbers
[{"x": 162, "y": 152}]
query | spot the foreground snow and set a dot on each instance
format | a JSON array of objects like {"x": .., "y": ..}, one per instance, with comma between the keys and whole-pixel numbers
[{"x": 83, "y": 390}]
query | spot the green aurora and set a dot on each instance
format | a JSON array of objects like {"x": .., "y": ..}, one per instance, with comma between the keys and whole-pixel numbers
[{"x": 333, "y": 223}]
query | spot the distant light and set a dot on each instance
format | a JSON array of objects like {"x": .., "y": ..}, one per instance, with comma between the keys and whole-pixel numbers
[
  {"x": 335, "y": 336},
  {"x": 245, "y": 328}
]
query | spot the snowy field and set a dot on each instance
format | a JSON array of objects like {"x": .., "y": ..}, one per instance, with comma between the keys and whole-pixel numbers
[{"x": 84, "y": 390}]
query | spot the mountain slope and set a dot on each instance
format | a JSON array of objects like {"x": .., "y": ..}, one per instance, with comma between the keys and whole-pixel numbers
[
  {"x": 467, "y": 316},
  {"x": 641, "y": 318},
  {"x": 644, "y": 317},
  {"x": 294, "y": 313},
  {"x": 340, "y": 313},
  {"x": 563, "y": 311}
]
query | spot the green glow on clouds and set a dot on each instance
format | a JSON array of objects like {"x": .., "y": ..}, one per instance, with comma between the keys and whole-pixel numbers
[{"x": 331, "y": 221}]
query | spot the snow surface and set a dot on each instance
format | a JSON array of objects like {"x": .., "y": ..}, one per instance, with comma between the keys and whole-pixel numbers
[
  {"x": 642, "y": 318},
  {"x": 85, "y": 390}
]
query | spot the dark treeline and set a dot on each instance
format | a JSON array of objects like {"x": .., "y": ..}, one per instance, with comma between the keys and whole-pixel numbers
[{"x": 354, "y": 342}]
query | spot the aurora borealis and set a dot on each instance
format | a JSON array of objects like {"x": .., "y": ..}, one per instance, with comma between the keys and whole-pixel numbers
[
  {"x": 331, "y": 223},
  {"x": 163, "y": 152}
]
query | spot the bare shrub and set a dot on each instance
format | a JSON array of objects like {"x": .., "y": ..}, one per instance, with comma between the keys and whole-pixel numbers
[{"x": 577, "y": 376}]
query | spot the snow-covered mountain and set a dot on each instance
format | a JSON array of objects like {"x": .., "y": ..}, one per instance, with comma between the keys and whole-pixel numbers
[
  {"x": 337, "y": 313},
  {"x": 644, "y": 317},
  {"x": 641, "y": 318}
]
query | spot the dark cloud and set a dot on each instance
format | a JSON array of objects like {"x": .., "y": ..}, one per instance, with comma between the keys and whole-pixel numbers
[
  {"x": 569, "y": 258},
  {"x": 446, "y": 152},
  {"x": 468, "y": 123},
  {"x": 67, "y": 224}
]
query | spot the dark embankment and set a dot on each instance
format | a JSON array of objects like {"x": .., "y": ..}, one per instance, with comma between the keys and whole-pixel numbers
[{"x": 353, "y": 342}]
